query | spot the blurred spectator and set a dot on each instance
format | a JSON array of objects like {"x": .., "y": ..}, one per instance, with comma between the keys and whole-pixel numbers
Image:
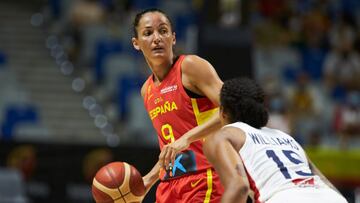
[
  {"x": 347, "y": 118},
  {"x": 315, "y": 25},
  {"x": 230, "y": 13},
  {"x": 342, "y": 64},
  {"x": 23, "y": 158},
  {"x": 357, "y": 42},
  {"x": 279, "y": 114},
  {"x": 303, "y": 111},
  {"x": 302, "y": 100},
  {"x": 273, "y": 55},
  {"x": 86, "y": 12},
  {"x": 271, "y": 8},
  {"x": 82, "y": 14}
]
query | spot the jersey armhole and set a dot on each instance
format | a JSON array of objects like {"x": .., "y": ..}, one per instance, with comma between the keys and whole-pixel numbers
[
  {"x": 192, "y": 94},
  {"x": 181, "y": 87}
]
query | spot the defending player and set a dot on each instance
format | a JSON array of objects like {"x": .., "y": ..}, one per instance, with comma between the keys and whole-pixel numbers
[
  {"x": 181, "y": 93},
  {"x": 251, "y": 157}
]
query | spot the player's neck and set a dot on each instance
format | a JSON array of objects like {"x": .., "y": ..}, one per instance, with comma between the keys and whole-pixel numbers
[{"x": 160, "y": 70}]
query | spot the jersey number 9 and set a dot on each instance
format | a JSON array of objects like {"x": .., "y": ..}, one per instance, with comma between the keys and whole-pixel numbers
[{"x": 167, "y": 133}]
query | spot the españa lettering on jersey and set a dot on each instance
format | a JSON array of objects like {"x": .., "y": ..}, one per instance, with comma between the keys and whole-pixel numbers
[
  {"x": 162, "y": 109},
  {"x": 259, "y": 139},
  {"x": 173, "y": 113}
]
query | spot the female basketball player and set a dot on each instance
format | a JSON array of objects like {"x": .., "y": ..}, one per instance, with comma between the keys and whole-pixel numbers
[
  {"x": 248, "y": 155},
  {"x": 181, "y": 96}
]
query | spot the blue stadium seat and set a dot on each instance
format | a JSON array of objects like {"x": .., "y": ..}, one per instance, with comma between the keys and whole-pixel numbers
[
  {"x": 55, "y": 7},
  {"x": 114, "y": 66},
  {"x": 338, "y": 94},
  {"x": 126, "y": 85},
  {"x": 3, "y": 59},
  {"x": 90, "y": 36},
  {"x": 313, "y": 59},
  {"x": 103, "y": 49},
  {"x": 182, "y": 22},
  {"x": 290, "y": 74},
  {"x": 144, "y": 4},
  {"x": 107, "y": 4},
  {"x": 15, "y": 115}
]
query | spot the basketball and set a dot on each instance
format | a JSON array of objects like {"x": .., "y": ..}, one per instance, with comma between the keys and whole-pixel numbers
[{"x": 118, "y": 182}]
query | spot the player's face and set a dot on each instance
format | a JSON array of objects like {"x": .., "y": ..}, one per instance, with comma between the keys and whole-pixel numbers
[{"x": 155, "y": 37}]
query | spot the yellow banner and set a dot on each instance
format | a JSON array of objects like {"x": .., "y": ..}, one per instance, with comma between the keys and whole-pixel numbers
[{"x": 335, "y": 163}]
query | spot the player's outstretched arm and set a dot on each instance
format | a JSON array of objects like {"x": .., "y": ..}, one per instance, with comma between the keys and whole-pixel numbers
[
  {"x": 317, "y": 172},
  {"x": 151, "y": 178},
  {"x": 221, "y": 150},
  {"x": 200, "y": 77}
]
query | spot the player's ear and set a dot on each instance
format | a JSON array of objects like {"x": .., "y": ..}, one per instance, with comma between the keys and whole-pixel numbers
[
  {"x": 223, "y": 116},
  {"x": 135, "y": 43}
]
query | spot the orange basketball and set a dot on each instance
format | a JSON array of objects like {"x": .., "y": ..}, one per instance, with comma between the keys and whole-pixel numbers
[{"x": 118, "y": 182}]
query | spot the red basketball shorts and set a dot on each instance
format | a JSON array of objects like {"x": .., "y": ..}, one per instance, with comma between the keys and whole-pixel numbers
[{"x": 203, "y": 187}]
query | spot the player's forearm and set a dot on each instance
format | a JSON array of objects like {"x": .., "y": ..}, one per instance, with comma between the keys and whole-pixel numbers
[
  {"x": 317, "y": 172},
  {"x": 203, "y": 130},
  {"x": 152, "y": 177},
  {"x": 235, "y": 193}
]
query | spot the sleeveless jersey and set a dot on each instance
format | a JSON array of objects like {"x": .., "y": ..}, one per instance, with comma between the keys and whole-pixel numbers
[
  {"x": 173, "y": 113},
  {"x": 274, "y": 161}
]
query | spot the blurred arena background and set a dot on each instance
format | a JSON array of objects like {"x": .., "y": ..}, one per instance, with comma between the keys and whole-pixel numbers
[{"x": 70, "y": 82}]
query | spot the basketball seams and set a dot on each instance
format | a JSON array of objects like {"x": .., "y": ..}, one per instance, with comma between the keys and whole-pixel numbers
[
  {"x": 111, "y": 174},
  {"x": 108, "y": 179},
  {"x": 125, "y": 186},
  {"x": 136, "y": 182},
  {"x": 114, "y": 175},
  {"x": 112, "y": 192},
  {"x": 104, "y": 197}
]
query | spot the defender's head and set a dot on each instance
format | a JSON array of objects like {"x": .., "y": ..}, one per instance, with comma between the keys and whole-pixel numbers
[{"x": 243, "y": 100}]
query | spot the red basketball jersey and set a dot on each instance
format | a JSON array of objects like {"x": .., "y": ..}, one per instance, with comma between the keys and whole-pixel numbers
[{"x": 173, "y": 113}]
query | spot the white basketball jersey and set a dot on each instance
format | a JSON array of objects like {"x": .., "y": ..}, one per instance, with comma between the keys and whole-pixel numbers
[{"x": 274, "y": 161}]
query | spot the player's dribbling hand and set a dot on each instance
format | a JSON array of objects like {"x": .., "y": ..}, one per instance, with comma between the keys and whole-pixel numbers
[{"x": 169, "y": 152}]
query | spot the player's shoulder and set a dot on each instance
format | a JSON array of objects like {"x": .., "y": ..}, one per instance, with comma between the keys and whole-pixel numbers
[
  {"x": 144, "y": 88},
  {"x": 195, "y": 66},
  {"x": 190, "y": 60},
  {"x": 233, "y": 134},
  {"x": 243, "y": 126},
  {"x": 275, "y": 131},
  {"x": 231, "y": 130}
]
